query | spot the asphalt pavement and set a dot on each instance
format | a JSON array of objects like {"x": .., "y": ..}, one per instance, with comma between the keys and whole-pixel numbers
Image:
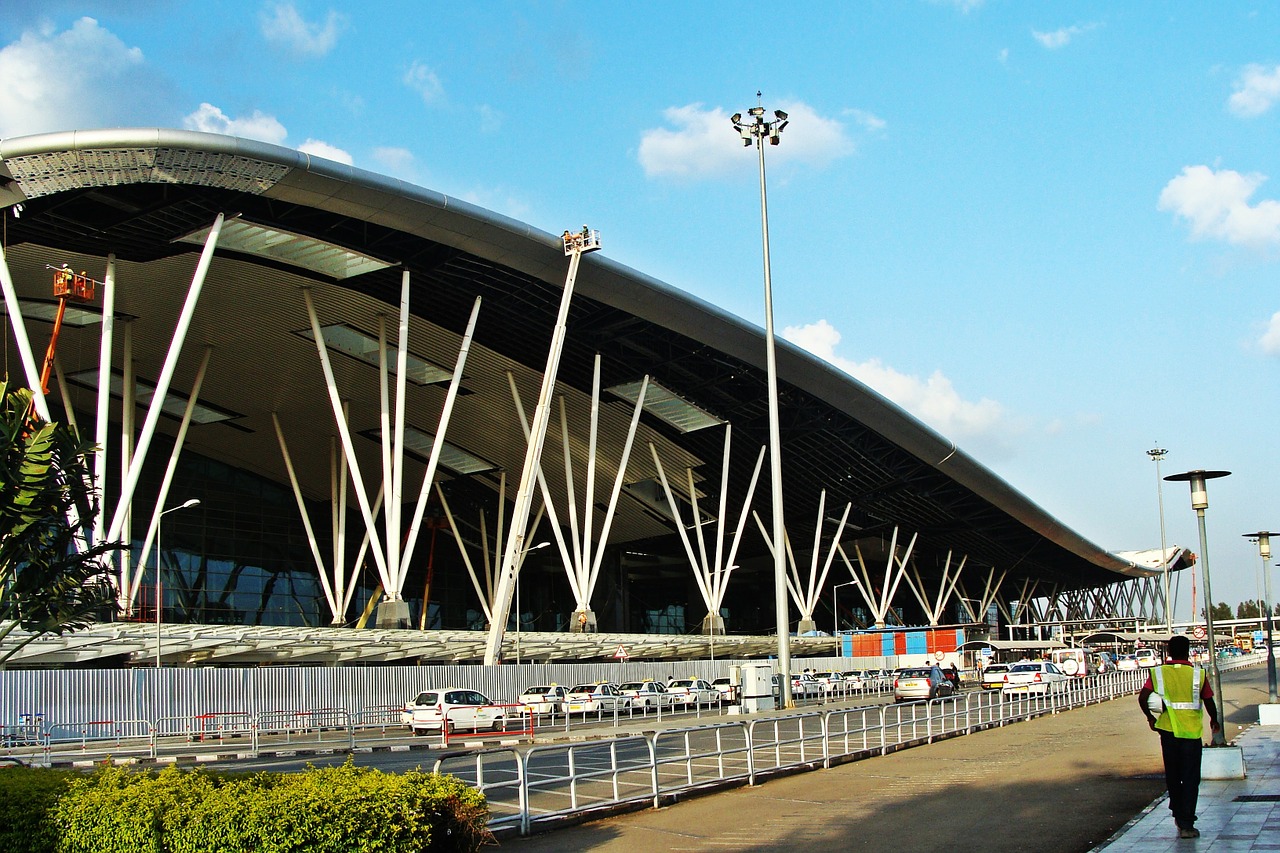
[{"x": 1063, "y": 783}]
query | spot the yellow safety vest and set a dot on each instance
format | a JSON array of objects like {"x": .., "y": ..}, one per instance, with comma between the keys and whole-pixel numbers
[{"x": 1179, "y": 687}]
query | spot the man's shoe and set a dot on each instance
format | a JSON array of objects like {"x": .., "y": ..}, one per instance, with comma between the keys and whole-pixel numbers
[{"x": 1189, "y": 832}]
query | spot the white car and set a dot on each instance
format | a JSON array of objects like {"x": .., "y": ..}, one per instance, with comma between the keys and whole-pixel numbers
[
  {"x": 993, "y": 676},
  {"x": 543, "y": 698},
  {"x": 831, "y": 682},
  {"x": 1038, "y": 678},
  {"x": 728, "y": 690},
  {"x": 1127, "y": 662},
  {"x": 590, "y": 698},
  {"x": 454, "y": 708},
  {"x": 693, "y": 691},
  {"x": 1147, "y": 658},
  {"x": 646, "y": 694},
  {"x": 854, "y": 679}
]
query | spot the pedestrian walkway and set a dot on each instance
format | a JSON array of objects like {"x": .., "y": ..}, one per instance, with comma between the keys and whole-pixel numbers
[{"x": 1232, "y": 815}]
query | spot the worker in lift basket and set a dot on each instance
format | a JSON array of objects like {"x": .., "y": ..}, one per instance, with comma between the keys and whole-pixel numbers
[{"x": 1173, "y": 701}]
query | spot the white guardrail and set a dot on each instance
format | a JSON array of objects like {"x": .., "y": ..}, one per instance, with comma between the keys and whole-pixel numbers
[
  {"x": 546, "y": 783},
  {"x": 549, "y": 781}
]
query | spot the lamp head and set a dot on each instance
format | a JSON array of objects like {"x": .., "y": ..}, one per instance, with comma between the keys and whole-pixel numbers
[
  {"x": 1263, "y": 538},
  {"x": 1199, "y": 489}
]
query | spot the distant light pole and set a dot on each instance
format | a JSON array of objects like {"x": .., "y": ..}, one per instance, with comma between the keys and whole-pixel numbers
[
  {"x": 757, "y": 130},
  {"x": 160, "y": 568},
  {"x": 835, "y": 613},
  {"x": 1263, "y": 538},
  {"x": 1200, "y": 502},
  {"x": 519, "y": 612},
  {"x": 1157, "y": 454}
]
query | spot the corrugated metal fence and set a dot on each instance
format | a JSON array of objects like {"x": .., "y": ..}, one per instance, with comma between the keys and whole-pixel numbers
[{"x": 151, "y": 694}]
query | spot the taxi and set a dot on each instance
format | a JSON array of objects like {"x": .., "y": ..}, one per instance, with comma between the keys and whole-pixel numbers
[
  {"x": 589, "y": 698},
  {"x": 543, "y": 698}
]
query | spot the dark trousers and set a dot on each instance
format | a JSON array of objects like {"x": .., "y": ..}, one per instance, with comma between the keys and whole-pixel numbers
[{"x": 1182, "y": 775}]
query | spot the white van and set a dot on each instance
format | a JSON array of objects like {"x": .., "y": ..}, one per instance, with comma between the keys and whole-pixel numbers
[{"x": 1071, "y": 661}]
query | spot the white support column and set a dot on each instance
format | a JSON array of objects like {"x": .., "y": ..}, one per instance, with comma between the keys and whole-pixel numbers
[
  {"x": 128, "y": 418},
  {"x": 532, "y": 459},
  {"x": 433, "y": 460},
  {"x": 334, "y": 609},
  {"x": 616, "y": 493},
  {"x": 102, "y": 422},
  {"x": 565, "y": 557},
  {"x": 397, "y": 567},
  {"x": 19, "y": 326},
  {"x": 166, "y": 376},
  {"x": 162, "y": 497},
  {"x": 65, "y": 394}
]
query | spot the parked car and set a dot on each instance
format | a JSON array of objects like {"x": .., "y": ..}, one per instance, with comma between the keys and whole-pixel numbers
[
  {"x": 854, "y": 679},
  {"x": 693, "y": 691},
  {"x": 1037, "y": 678},
  {"x": 646, "y": 694},
  {"x": 454, "y": 708},
  {"x": 993, "y": 676},
  {"x": 832, "y": 682},
  {"x": 920, "y": 682},
  {"x": 1147, "y": 658},
  {"x": 728, "y": 690},
  {"x": 589, "y": 698},
  {"x": 1127, "y": 662},
  {"x": 544, "y": 698}
]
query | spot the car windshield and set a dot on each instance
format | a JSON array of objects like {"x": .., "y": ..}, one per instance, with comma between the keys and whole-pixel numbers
[
  {"x": 721, "y": 680},
  {"x": 1025, "y": 667},
  {"x": 683, "y": 682},
  {"x": 632, "y": 685},
  {"x": 425, "y": 699},
  {"x": 584, "y": 688},
  {"x": 998, "y": 667},
  {"x": 537, "y": 691},
  {"x": 916, "y": 673}
]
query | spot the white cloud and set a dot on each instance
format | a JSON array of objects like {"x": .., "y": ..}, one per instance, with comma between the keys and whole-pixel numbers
[
  {"x": 869, "y": 121},
  {"x": 933, "y": 400},
  {"x": 424, "y": 81},
  {"x": 1061, "y": 37},
  {"x": 963, "y": 6},
  {"x": 490, "y": 119},
  {"x": 700, "y": 142},
  {"x": 493, "y": 198},
  {"x": 1270, "y": 340},
  {"x": 327, "y": 151},
  {"x": 282, "y": 24},
  {"x": 1256, "y": 91},
  {"x": 1217, "y": 205},
  {"x": 398, "y": 162},
  {"x": 1003, "y": 56},
  {"x": 81, "y": 77},
  {"x": 256, "y": 126}
]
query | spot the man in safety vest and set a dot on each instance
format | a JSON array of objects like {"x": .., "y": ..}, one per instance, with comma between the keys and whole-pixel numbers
[{"x": 1183, "y": 695}]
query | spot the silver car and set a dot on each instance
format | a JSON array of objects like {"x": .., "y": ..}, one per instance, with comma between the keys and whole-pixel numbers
[{"x": 920, "y": 682}]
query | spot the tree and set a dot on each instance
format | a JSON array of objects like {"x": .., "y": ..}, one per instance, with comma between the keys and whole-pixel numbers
[
  {"x": 1249, "y": 609},
  {"x": 47, "y": 584},
  {"x": 1222, "y": 610}
]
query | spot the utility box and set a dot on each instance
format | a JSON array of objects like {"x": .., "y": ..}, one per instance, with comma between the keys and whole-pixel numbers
[{"x": 755, "y": 686}]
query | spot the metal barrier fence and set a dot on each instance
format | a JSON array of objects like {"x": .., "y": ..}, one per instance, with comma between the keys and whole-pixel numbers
[{"x": 549, "y": 782}]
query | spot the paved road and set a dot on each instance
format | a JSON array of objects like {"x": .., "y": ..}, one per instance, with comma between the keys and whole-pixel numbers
[{"x": 1060, "y": 784}]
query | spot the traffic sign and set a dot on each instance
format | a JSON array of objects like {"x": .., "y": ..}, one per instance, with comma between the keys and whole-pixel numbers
[
  {"x": 621, "y": 653},
  {"x": 1199, "y": 632},
  {"x": 939, "y": 655}
]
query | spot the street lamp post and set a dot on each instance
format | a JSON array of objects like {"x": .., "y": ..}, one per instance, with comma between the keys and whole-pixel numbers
[
  {"x": 519, "y": 612},
  {"x": 1263, "y": 538},
  {"x": 1157, "y": 454},
  {"x": 756, "y": 130},
  {"x": 1200, "y": 502},
  {"x": 160, "y": 567},
  {"x": 835, "y": 613}
]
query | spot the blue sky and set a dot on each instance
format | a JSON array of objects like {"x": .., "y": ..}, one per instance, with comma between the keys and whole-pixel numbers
[{"x": 1047, "y": 230}]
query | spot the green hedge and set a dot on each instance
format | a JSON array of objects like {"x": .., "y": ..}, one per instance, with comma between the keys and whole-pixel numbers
[
  {"x": 27, "y": 798},
  {"x": 347, "y": 809}
]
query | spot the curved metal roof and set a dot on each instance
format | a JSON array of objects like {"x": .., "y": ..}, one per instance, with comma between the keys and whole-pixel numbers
[{"x": 134, "y": 192}]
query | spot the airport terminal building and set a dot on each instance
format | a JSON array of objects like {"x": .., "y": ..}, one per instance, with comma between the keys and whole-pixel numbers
[{"x": 346, "y": 371}]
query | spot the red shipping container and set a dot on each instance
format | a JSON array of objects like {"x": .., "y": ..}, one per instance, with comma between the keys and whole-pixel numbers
[
  {"x": 900, "y": 643},
  {"x": 947, "y": 640}
]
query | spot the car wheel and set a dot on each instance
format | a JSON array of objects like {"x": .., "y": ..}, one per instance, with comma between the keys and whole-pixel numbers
[{"x": 499, "y": 723}]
